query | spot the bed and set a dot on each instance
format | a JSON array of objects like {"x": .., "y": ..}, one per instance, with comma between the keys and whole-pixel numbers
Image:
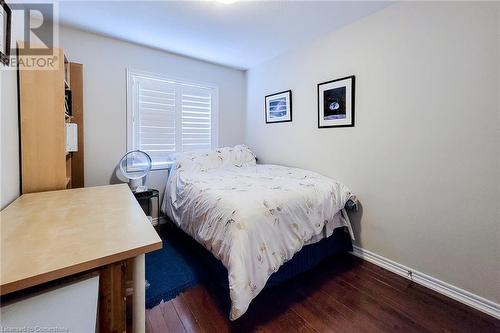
[{"x": 253, "y": 218}]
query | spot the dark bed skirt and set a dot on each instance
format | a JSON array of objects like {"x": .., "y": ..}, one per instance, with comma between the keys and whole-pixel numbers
[
  {"x": 311, "y": 255},
  {"x": 306, "y": 259}
]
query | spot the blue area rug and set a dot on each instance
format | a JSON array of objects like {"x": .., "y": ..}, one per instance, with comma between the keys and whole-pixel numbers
[{"x": 172, "y": 269}]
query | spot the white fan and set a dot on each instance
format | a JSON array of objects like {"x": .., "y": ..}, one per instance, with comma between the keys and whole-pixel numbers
[{"x": 135, "y": 165}]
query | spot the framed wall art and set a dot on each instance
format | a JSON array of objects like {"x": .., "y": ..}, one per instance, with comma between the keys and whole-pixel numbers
[
  {"x": 5, "y": 27},
  {"x": 336, "y": 103},
  {"x": 279, "y": 107}
]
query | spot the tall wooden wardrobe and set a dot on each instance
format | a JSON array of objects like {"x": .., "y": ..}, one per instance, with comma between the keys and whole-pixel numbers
[{"x": 48, "y": 100}]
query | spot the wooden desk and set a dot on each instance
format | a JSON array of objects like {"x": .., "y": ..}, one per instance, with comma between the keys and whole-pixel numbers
[{"x": 51, "y": 235}]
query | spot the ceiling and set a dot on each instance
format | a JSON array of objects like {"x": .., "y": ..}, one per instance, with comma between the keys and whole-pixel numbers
[{"x": 241, "y": 34}]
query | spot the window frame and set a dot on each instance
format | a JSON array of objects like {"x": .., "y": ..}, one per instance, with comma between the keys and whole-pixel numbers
[{"x": 130, "y": 100}]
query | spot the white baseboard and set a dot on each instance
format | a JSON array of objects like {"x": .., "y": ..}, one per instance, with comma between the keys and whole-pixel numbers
[{"x": 463, "y": 296}]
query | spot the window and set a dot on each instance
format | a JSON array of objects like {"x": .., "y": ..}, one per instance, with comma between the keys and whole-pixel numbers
[{"x": 166, "y": 116}]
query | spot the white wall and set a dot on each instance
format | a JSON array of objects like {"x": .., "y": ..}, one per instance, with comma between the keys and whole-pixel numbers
[
  {"x": 105, "y": 61},
  {"x": 424, "y": 154},
  {"x": 9, "y": 140}
]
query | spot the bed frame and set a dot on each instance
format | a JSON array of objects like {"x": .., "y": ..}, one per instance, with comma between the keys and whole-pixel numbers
[{"x": 306, "y": 259}]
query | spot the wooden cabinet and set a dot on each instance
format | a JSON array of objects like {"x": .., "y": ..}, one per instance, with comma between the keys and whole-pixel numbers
[
  {"x": 77, "y": 158},
  {"x": 45, "y": 164}
]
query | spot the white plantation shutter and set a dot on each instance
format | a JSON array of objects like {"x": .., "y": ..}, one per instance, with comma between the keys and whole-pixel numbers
[
  {"x": 196, "y": 106},
  {"x": 154, "y": 120},
  {"x": 167, "y": 116}
]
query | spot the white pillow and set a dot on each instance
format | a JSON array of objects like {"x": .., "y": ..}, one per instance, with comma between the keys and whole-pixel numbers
[{"x": 239, "y": 156}]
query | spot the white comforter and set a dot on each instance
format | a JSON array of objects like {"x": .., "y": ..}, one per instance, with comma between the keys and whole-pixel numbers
[{"x": 251, "y": 217}]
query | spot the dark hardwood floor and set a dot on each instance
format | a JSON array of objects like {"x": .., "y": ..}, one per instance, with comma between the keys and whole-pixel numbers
[{"x": 344, "y": 294}]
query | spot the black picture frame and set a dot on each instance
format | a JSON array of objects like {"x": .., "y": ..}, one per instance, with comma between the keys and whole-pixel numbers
[
  {"x": 349, "y": 111},
  {"x": 5, "y": 53},
  {"x": 288, "y": 93}
]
